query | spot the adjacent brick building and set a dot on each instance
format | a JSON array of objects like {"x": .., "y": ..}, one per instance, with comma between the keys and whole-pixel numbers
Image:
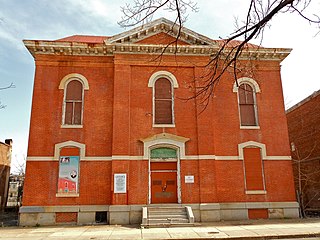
[
  {"x": 109, "y": 114},
  {"x": 304, "y": 134},
  {"x": 5, "y": 163}
]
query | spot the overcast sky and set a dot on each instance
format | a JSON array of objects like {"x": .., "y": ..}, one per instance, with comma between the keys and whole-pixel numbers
[{"x": 54, "y": 19}]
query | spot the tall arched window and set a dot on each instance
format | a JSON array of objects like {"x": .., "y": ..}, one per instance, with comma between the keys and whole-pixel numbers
[
  {"x": 247, "y": 105},
  {"x": 163, "y": 101},
  {"x": 73, "y": 85},
  {"x": 73, "y": 103}
]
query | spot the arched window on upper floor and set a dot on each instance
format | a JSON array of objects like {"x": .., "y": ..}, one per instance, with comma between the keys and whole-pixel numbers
[
  {"x": 163, "y": 84},
  {"x": 73, "y": 101},
  {"x": 247, "y": 102},
  {"x": 163, "y": 102}
]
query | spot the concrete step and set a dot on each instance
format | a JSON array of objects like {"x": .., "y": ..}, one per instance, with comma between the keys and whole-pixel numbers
[
  {"x": 167, "y": 215},
  {"x": 168, "y": 220},
  {"x": 166, "y": 225}
]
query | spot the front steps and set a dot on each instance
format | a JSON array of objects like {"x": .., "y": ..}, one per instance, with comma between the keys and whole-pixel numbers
[{"x": 167, "y": 216}]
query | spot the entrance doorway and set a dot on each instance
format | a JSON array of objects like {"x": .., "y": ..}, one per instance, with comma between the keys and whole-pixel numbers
[{"x": 164, "y": 175}]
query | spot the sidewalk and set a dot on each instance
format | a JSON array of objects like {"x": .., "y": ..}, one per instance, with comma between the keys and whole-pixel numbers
[{"x": 258, "y": 229}]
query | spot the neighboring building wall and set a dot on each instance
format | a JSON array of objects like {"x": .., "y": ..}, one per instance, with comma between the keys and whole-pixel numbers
[
  {"x": 304, "y": 133},
  {"x": 15, "y": 191},
  {"x": 5, "y": 162}
]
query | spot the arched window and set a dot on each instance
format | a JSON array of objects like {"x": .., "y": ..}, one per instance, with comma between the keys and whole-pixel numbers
[
  {"x": 73, "y": 85},
  {"x": 163, "y": 101},
  {"x": 73, "y": 103},
  {"x": 247, "y": 105}
]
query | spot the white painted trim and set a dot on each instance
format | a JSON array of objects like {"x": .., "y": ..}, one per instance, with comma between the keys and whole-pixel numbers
[
  {"x": 126, "y": 157},
  {"x": 74, "y": 76},
  {"x": 67, "y": 195},
  {"x": 256, "y": 192},
  {"x": 163, "y": 74},
  {"x": 249, "y": 127},
  {"x": 163, "y": 125},
  {"x": 227, "y": 158},
  {"x": 97, "y": 159},
  {"x": 141, "y": 158},
  {"x": 241, "y": 146},
  {"x": 164, "y": 139},
  {"x": 278, "y": 158},
  {"x": 250, "y": 81},
  {"x": 71, "y": 126},
  {"x": 58, "y": 146},
  {"x": 41, "y": 159},
  {"x": 200, "y": 157}
]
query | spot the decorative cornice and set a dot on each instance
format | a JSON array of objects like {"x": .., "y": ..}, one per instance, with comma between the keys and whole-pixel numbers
[
  {"x": 157, "y": 26},
  {"x": 97, "y": 49}
]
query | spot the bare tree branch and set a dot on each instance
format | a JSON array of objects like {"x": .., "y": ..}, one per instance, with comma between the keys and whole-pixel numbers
[{"x": 259, "y": 15}]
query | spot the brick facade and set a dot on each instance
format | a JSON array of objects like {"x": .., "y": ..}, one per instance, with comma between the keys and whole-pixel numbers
[
  {"x": 304, "y": 134},
  {"x": 118, "y": 132}
]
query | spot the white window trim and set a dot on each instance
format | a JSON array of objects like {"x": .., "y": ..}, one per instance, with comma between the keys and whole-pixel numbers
[
  {"x": 163, "y": 125},
  {"x": 57, "y": 149},
  {"x": 174, "y": 84},
  {"x": 256, "y": 88},
  {"x": 65, "y": 79},
  {"x": 263, "y": 153},
  {"x": 256, "y": 192},
  {"x": 58, "y": 146},
  {"x": 250, "y": 81},
  {"x": 249, "y": 127},
  {"x": 63, "y": 85}
]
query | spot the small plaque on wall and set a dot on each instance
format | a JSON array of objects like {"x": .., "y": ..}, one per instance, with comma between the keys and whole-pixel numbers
[
  {"x": 120, "y": 183},
  {"x": 189, "y": 179}
]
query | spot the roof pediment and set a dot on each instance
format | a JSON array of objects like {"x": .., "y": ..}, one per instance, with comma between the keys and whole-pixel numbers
[{"x": 147, "y": 34}]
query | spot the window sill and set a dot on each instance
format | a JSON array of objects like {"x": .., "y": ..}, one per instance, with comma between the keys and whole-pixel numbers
[
  {"x": 256, "y": 192},
  {"x": 71, "y": 126},
  {"x": 249, "y": 127},
  {"x": 163, "y": 125},
  {"x": 67, "y": 195}
]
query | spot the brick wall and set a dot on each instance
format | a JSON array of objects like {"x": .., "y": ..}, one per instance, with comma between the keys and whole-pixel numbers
[
  {"x": 304, "y": 132},
  {"x": 118, "y": 114}
]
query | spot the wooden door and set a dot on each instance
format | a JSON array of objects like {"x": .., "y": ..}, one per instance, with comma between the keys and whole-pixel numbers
[{"x": 164, "y": 183}]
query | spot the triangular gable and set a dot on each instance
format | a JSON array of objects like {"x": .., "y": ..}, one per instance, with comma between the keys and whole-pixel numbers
[
  {"x": 145, "y": 34},
  {"x": 162, "y": 39}
]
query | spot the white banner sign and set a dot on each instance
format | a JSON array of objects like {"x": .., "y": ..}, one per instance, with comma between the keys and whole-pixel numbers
[{"x": 120, "y": 183}]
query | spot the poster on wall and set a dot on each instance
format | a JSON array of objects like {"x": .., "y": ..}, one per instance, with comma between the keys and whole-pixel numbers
[
  {"x": 120, "y": 183},
  {"x": 68, "y": 174}
]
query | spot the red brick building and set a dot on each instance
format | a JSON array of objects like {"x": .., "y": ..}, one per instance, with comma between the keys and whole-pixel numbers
[
  {"x": 304, "y": 134},
  {"x": 116, "y": 110}
]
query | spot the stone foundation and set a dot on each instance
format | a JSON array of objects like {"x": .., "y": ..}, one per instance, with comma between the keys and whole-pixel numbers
[{"x": 132, "y": 214}]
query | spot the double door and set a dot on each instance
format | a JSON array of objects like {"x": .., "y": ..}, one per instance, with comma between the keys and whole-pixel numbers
[{"x": 163, "y": 182}]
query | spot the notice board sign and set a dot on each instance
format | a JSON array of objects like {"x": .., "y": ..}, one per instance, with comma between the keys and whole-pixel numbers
[
  {"x": 189, "y": 179},
  {"x": 120, "y": 183}
]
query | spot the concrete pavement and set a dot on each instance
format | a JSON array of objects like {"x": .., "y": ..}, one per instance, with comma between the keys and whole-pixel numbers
[{"x": 257, "y": 229}]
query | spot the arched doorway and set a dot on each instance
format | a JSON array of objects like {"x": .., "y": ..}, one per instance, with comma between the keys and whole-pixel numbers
[{"x": 164, "y": 175}]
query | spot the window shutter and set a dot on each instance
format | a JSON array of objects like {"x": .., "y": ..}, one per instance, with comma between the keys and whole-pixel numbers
[
  {"x": 163, "y": 101},
  {"x": 253, "y": 169}
]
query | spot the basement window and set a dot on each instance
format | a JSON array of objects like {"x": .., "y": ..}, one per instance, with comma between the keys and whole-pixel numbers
[{"x": 101, "y": 217}]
